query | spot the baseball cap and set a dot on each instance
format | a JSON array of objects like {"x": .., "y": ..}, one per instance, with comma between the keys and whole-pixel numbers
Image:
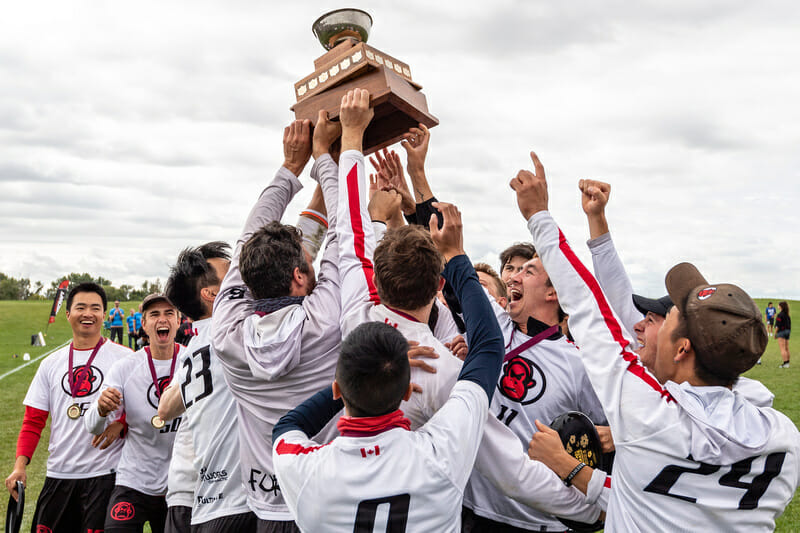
[
  {"x": 659, "y": 306},
  {"x": 724, "y": 323},
  {"x": 151, "y": 299}
]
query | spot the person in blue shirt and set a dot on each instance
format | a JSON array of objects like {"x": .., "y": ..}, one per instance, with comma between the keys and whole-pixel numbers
[
  {"x": 131, "y": 320},
  {"x": 116, "y": 316},
  {"x": 138, "y": 317},
  {"x": 769, "y": 312}
]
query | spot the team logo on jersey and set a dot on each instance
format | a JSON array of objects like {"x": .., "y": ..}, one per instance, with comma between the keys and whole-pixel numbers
[
  {"x": 163, "y": 383},
  {"x": 123, "y": 511},
  {"x": 522, "y": 381},
  {"x": 87, "y": 381},
  {"x": 706, "y": 293}
]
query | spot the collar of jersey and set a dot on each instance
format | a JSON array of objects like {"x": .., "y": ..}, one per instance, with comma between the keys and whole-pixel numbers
[
  {"x": 366, "y": 426},
  {"x": 537, "y": 326}
]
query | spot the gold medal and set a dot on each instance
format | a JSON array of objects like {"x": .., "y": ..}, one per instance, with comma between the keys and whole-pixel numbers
[
  {"x": 157, "y": 422},
  {"x": 74, "y": 411}
]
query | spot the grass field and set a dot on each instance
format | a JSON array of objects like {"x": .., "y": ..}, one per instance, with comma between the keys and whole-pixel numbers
[{"x": 19, "y": 320}]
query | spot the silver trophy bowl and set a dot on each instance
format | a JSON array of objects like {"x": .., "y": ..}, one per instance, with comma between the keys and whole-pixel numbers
[{"x": 336, "y": 26}]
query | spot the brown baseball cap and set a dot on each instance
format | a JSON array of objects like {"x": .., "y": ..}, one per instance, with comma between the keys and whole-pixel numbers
[
  {"x": 724, "y": 323},
  {"x": 151, "y": 299}
]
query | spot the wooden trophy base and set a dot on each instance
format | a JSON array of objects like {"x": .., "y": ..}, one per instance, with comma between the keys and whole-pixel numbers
[{"x": 397, "y": 100}]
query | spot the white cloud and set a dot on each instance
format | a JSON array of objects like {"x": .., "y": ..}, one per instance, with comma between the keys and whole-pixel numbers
[{"x": 130, "y": 131}]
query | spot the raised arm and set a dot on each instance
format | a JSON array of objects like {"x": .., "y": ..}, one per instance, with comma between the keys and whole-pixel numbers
[
  {"x": 234, "y": 303},
  {"x": 613, "y": 369},
  {"x": 354, "y": 230}
]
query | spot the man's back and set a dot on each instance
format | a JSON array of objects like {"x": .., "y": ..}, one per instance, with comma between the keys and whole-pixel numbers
[{"x": 412, "y": 480}]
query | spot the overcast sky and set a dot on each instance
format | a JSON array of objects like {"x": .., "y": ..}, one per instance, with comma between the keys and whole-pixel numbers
[{"x": 129, "y": 130}]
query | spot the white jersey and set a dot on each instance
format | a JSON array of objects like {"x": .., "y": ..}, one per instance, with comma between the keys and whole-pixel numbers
[
  {"x": 687, "y": 458},
  {"x": 616, "y": 285},
  {"x": 146, "y": 452},
  {"x": 71, "y": 453},
  {"x": 540, "y": 383},
  {"x": 397, "y": 477},
  {"x": 274, "y": 362},
  {"x": 213, "y": 425},
  {"x": 500, "y": 456},
  {"x": 182, "y": 476}
]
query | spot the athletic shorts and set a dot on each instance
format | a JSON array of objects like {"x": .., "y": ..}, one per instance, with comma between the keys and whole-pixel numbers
[
  {"x": 179, "y": 519},
  {"x": 274, "y": 526},
  {"x": 240, "y": 523},
  {"x": 129, "y": 509},
  {"x": 783, "y": 334},
  {"x": 771, "y": 321},
  {"x": 72, "y": 505},
  {"x": 472, "y": 523}
]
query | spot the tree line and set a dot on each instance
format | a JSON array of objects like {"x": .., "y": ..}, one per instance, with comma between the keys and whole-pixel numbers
[{"x": 22, "y": 289}]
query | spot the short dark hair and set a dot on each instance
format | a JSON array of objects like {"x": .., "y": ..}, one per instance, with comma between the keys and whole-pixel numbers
[
  {"x": 191, "y": 273},
  {"x": 373, "y": 371},
  {"x": 408, "y": 267},
  {"x": 518, "y": 249},
  {"x": 87, "y": 286},
  {"x": 268, "y": 260},
  {"x": 703, "y": 372}
]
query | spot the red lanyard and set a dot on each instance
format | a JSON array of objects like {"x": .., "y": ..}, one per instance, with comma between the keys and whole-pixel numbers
[
  {"x": 73, "y": 382},
  {"x": 530, "y": 342},
  {"x": 153, "y": 368}
]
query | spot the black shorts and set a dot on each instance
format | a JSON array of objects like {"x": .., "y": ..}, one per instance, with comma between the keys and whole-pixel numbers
[
  {"x": 472, "y": 523},
  {"x": 69, "y": 505},
  {"x": 179, "y": 519},
  {"x": 240, "y": 523},
  {"x": 771, "y": 321},
  {"x": 129, "y": 509},
  {"x": 275, "y": 526}
]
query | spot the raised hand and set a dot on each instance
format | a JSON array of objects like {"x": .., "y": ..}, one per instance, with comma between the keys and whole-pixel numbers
[
  {"x": 531, "y": 189},
  {"x": 450, "y": 238},
  {"x": 355, "y": 115},
  {"x": 390, "y": 175},
  {"x": 415, "y": 144},
  {"x": 325, "y": 133},
  {"x": 384, "y": 205},
  {"x": 297, "y": 146},
  {"x": 594, "y": 196}
]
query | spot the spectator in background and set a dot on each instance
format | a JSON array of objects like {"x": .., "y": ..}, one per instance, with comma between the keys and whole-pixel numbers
[
  {"x": 783, "y": 326},
  {"x": 185, "y": 331},
  {"x": 513, "y": 257},
  {"x": 131, "y": 320},
  {"x": 769, "y": 313},
  {"x": 115, "y": 316}
]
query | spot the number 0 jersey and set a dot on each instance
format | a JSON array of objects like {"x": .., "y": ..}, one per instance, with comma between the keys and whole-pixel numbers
[
  {"x": 687, "y": 458},
  {"x": 146, "y": 452},
  {"x": 397, "y": 480},
  {"x": 71, "y": 453}
]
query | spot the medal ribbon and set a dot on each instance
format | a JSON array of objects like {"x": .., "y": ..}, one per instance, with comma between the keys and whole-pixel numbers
[
  {"x": 530, "y": 342},
  {"x": 73, "y": 383},
  {"x": 153, "y": 368}
]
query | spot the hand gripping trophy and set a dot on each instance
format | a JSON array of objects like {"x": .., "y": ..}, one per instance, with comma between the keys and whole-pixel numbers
[{"x": 350, "y": 63}]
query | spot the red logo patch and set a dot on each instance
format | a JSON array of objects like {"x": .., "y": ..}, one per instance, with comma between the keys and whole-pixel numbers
[
  {"x": 43, "y": 529},
  {"x": 122, "y": 511},
  {"x": 706, "y": 293}
]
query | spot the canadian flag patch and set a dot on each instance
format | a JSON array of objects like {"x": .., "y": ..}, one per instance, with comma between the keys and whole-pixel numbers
[{"x": 368, "y": 452}]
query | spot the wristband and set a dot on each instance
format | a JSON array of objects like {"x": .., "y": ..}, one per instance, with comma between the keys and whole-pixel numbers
[{"x": 571, "y": 475}]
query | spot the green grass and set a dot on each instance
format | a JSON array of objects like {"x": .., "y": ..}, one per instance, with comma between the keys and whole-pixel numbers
[{"x": 19, "y": 320}]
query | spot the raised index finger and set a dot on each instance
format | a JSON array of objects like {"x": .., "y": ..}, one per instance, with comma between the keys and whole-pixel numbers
[{"x": 537, "y": 165}]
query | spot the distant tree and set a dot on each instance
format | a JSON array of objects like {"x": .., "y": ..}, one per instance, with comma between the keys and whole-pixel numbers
[{"x": 14, "y": 289}]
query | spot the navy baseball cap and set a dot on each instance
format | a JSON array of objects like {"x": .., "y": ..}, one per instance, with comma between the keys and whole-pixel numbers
[{"x": 648, "y": 305}]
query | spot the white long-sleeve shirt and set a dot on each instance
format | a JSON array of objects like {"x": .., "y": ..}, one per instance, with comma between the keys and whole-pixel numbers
[{"x": 686, "y": 456}]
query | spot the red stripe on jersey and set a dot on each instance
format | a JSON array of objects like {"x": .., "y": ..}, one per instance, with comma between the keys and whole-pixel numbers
[
  {"x": 635, "y": 367},
  {"x": 607, "y": 482},
  {"x": 288, "y": 448},
  {"x": 358, "y": 231}
]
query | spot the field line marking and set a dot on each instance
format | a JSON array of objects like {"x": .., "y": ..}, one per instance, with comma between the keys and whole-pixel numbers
[{"x": 33, "y": 360}]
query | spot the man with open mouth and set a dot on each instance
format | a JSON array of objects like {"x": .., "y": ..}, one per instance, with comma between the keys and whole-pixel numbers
[{"x": 134, "y": 385}]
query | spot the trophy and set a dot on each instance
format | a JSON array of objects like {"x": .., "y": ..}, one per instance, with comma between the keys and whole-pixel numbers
[{"x": 350, "y": 63}]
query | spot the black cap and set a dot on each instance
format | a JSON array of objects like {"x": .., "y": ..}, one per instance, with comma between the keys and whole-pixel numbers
[{"x": 648, "y": 305}]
